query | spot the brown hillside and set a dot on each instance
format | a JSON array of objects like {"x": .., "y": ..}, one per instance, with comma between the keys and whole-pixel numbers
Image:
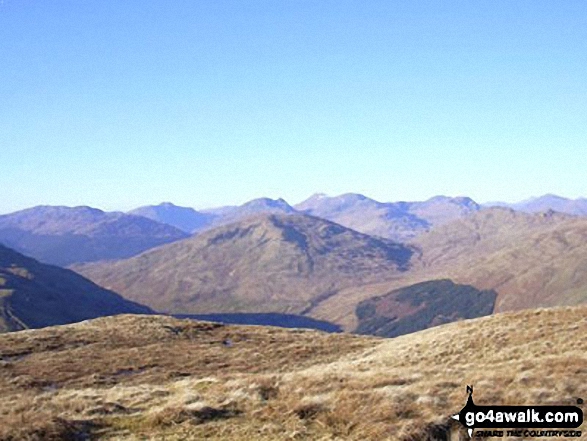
[
  {"x": 530, "y": 260},
  {"x": 269, "y": 263}
]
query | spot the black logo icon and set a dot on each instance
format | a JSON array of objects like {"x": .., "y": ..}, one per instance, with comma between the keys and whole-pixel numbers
[{"x": 517, "y": 417}]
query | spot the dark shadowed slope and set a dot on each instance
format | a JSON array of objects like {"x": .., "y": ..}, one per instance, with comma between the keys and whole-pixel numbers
[
  {"x": 269, "y": 263},
  {"x": 420, "y": 306},
  {"x": 185, "y": 218},
  {"x": 34, "y": 295},
  {"x": 66, "y": 235}
]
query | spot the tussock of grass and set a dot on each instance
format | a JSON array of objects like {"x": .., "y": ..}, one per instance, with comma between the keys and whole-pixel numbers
[
  {"x": 200, "y": 415},
  {"x": 29, "y": 425}
]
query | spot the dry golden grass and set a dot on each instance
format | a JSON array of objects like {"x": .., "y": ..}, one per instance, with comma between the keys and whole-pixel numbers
[{"x": 138, "y": 378}]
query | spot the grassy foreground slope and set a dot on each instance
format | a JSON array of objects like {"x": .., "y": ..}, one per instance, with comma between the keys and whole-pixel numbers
[{"x": 150, "y": 377}]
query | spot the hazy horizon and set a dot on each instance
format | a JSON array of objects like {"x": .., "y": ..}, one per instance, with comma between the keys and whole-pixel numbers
[
  {"x": 292, "y": 203},
  {"x": 122, "y": 104}
]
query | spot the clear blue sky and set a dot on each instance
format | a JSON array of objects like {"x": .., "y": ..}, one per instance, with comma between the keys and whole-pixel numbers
[{"x": 117, "y": 104}]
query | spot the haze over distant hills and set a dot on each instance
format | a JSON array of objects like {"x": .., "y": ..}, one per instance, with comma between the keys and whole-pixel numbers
[
  {"x": 267, "y": 263},
  {"x": 42, "y": 231},
  {"x": 548, "y": 202},
  {"x": 365, "y": 215},
  {"x": 399, "y": 220},
  {"x": 393, "y": 220},
  {"x": 527, "y": 259},
  {"x": 34, "y": 295},
  {"x": 230, "y": 214},
  {"x": 191, "y": 221},
  {"x": 65, "y": 235},
  {"x": 440, "y": 210},
  {"x": 184, "y": 218}
]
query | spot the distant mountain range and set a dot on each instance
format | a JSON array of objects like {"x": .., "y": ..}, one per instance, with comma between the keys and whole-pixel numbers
[
  {"x": 66, "y": 235},
  {"x": 440, "y": 210},
  {"x": 192, "y": 221},
  {"x": 69, "y": 235},
  {"x": 267, "y": 263},
  {"x": 398, "y": 221},
  {"x": 366, "y": 215},
  {"x": 547, "y": 202},
  {"x": 394, "y": 220},
  {"x": 186, "y": 219},
  {"x": 35, "y": 295},
  {"x": 327, "y": 258},
  {"x": 495, "y": 259},
  {"x": 251, "y": 208}
]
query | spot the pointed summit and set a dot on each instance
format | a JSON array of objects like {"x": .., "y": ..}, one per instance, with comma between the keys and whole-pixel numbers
[
  {"x": 228, "y": 214},
  {"x": 311, "y": 201}
]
